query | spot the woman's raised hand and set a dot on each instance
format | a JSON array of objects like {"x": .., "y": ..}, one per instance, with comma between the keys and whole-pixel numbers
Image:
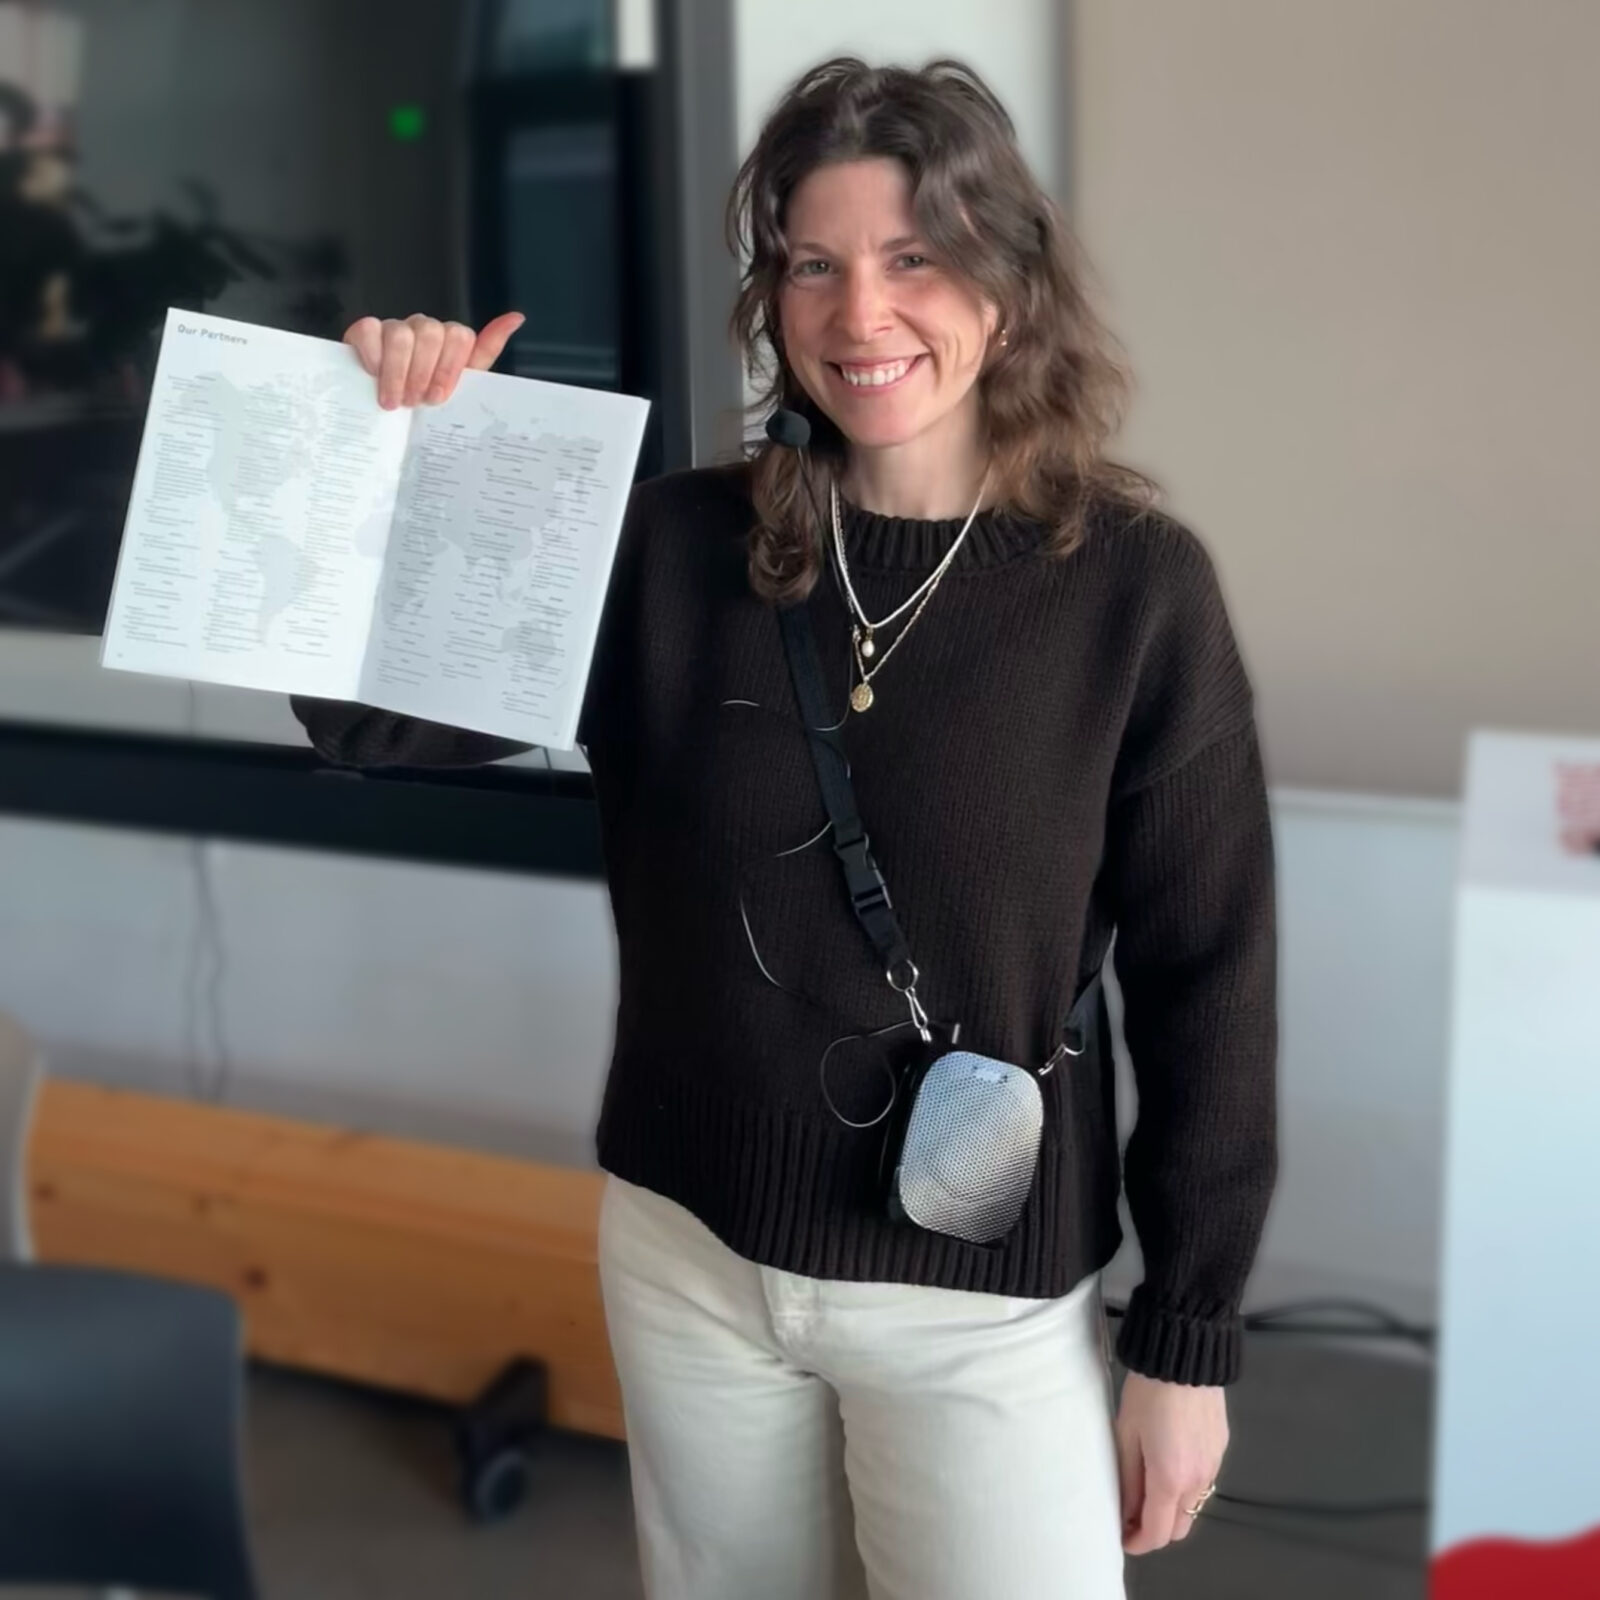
[{"x": 421, "y": 359}]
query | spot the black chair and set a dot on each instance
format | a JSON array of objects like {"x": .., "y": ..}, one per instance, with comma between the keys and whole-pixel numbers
[
  {"x": 120, "y": 1410},
  {"x": 20, "y": 1070}
]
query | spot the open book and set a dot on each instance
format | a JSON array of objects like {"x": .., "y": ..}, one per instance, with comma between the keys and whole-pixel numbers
[{"x": 287, "y": 533}]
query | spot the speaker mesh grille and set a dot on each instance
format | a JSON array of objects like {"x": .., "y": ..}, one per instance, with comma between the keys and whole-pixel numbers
[{"x": 971, "y": 1147}]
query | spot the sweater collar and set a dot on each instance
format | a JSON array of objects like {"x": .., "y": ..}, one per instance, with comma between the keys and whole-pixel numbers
[{"x": 875, "y": 543}]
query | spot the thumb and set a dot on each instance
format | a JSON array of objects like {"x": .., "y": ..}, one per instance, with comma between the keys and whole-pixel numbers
[{"x": 492, "y": 339}]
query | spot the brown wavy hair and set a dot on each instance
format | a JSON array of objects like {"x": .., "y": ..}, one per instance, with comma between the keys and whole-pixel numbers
[{"x": 1050, "y": 397}]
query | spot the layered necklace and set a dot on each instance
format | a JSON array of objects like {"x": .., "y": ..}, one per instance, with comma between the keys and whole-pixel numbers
[{"x": 861, "y": 628}]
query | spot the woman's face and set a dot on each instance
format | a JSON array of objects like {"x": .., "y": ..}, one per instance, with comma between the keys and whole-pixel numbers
[{"x": 883, "y": 337}]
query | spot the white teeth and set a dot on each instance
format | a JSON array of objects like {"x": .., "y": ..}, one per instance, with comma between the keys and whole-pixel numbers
[{"x": 875, "y": 377}]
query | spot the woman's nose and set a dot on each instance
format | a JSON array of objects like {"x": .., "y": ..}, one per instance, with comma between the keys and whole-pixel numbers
[{"x": 864, "y": 306}]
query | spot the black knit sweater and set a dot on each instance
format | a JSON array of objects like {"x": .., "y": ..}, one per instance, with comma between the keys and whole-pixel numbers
[{"x": 1061, "y": 749}]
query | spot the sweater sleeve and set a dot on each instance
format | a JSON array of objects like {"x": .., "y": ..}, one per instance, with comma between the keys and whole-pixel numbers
[
  {"x": 1189, "y": 877},
  {"x": 352, "y": 735}
]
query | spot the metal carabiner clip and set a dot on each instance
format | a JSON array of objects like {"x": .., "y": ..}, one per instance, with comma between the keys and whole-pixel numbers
[
  {"x": 1062, "y": 1052},
  {"x": 919, "y": 1017}
]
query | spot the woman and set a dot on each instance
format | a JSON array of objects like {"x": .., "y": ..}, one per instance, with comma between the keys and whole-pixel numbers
[{"x": 1059, "y": 745}]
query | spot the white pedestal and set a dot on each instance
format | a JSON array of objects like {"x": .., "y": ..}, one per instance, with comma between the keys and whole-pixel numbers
[{"x": 1517, "y": 1463}]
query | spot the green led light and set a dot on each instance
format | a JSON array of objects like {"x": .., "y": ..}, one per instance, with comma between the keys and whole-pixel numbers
[{"x": 407, "y": 123}]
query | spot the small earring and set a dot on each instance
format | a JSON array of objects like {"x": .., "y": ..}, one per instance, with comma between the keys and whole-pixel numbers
[{"x": 1002, "y": 338}]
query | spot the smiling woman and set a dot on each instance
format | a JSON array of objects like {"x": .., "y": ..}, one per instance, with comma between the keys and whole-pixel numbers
[
  {"x": 823, "y": 1399},
  {"x": 912, "y": 291},
  {"x": 886, "y": 340}
]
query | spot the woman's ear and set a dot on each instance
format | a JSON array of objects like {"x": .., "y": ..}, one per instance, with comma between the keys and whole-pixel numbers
[
  {"x": 994, "y": 324},
  {"x": 997, "y": 331}
]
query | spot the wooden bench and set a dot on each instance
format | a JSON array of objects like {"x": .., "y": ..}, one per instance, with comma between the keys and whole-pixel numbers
[{"x": 388, "y": 1261}]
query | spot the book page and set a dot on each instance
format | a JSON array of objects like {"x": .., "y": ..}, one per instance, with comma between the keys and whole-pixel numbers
[
  {"x": 259, "y": 515},
  {"x": 505, "y": 527}
]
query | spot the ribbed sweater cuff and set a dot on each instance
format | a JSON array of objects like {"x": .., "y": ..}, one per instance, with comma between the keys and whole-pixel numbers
[{"x": 1177, "y": 1348}]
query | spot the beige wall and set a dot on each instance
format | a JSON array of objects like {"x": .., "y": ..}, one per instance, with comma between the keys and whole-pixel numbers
[{"x": 1354, "y": 252}]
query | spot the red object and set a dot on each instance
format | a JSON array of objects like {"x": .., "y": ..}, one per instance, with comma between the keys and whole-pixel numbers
[
  {"x": 1578, "y": 806},
  {"x": 1509, "y": 1569}
]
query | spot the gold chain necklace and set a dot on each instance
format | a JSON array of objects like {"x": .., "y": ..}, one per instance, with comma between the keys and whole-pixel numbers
[{"x": 862, "y": 630}]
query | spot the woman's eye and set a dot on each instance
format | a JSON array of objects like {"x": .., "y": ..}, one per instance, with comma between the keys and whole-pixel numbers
[
  {"x": 913, "y": 260},
  {"x": 809, "y": 269}
]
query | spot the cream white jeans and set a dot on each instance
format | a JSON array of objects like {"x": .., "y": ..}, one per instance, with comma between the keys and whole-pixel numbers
[{"x": 799, "y": 1439}]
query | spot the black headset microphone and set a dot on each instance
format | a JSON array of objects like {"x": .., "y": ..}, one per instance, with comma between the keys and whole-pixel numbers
[
  {"x": 789, "y": 428},
  {"x": 792, "y": 430}
]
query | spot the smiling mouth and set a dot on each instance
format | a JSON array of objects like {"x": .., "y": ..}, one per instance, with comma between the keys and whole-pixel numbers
[{"x": 862, "y": 378}]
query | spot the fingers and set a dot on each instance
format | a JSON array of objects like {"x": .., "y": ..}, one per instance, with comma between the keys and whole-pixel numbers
[
  {"x": 410, "y": 353},
  {"x": 1153, "y": 1501},
  {"x": 427, "y": 344},
  {"x": 459, "y": 341},
  {"x": 492, "y": 340},
  {"x": 1171, "y": 1439},
  {"x": 399, "y": 341},
  {"x": 1163, "y": 1515},
  {"x": 422, "y": 359},
  {"x": 1157, "y": 1514},
  {"x": 365, "y": 337},
  {"x": 1182, "y": 1522},
  {"x": 1130, "y": 1474}
]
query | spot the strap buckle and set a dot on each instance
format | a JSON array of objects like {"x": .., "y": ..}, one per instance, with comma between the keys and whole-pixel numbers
[{"x": 865, "y": 882}]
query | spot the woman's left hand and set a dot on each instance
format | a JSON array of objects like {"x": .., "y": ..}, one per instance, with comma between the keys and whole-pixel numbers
[{"x": 1171, "y": 1438}]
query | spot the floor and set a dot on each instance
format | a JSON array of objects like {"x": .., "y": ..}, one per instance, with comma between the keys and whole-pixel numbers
[{"x": 354, "y": 1495}]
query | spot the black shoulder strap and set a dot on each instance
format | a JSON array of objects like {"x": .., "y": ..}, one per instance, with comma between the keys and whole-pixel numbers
[{"x": 869, "y": 894}]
